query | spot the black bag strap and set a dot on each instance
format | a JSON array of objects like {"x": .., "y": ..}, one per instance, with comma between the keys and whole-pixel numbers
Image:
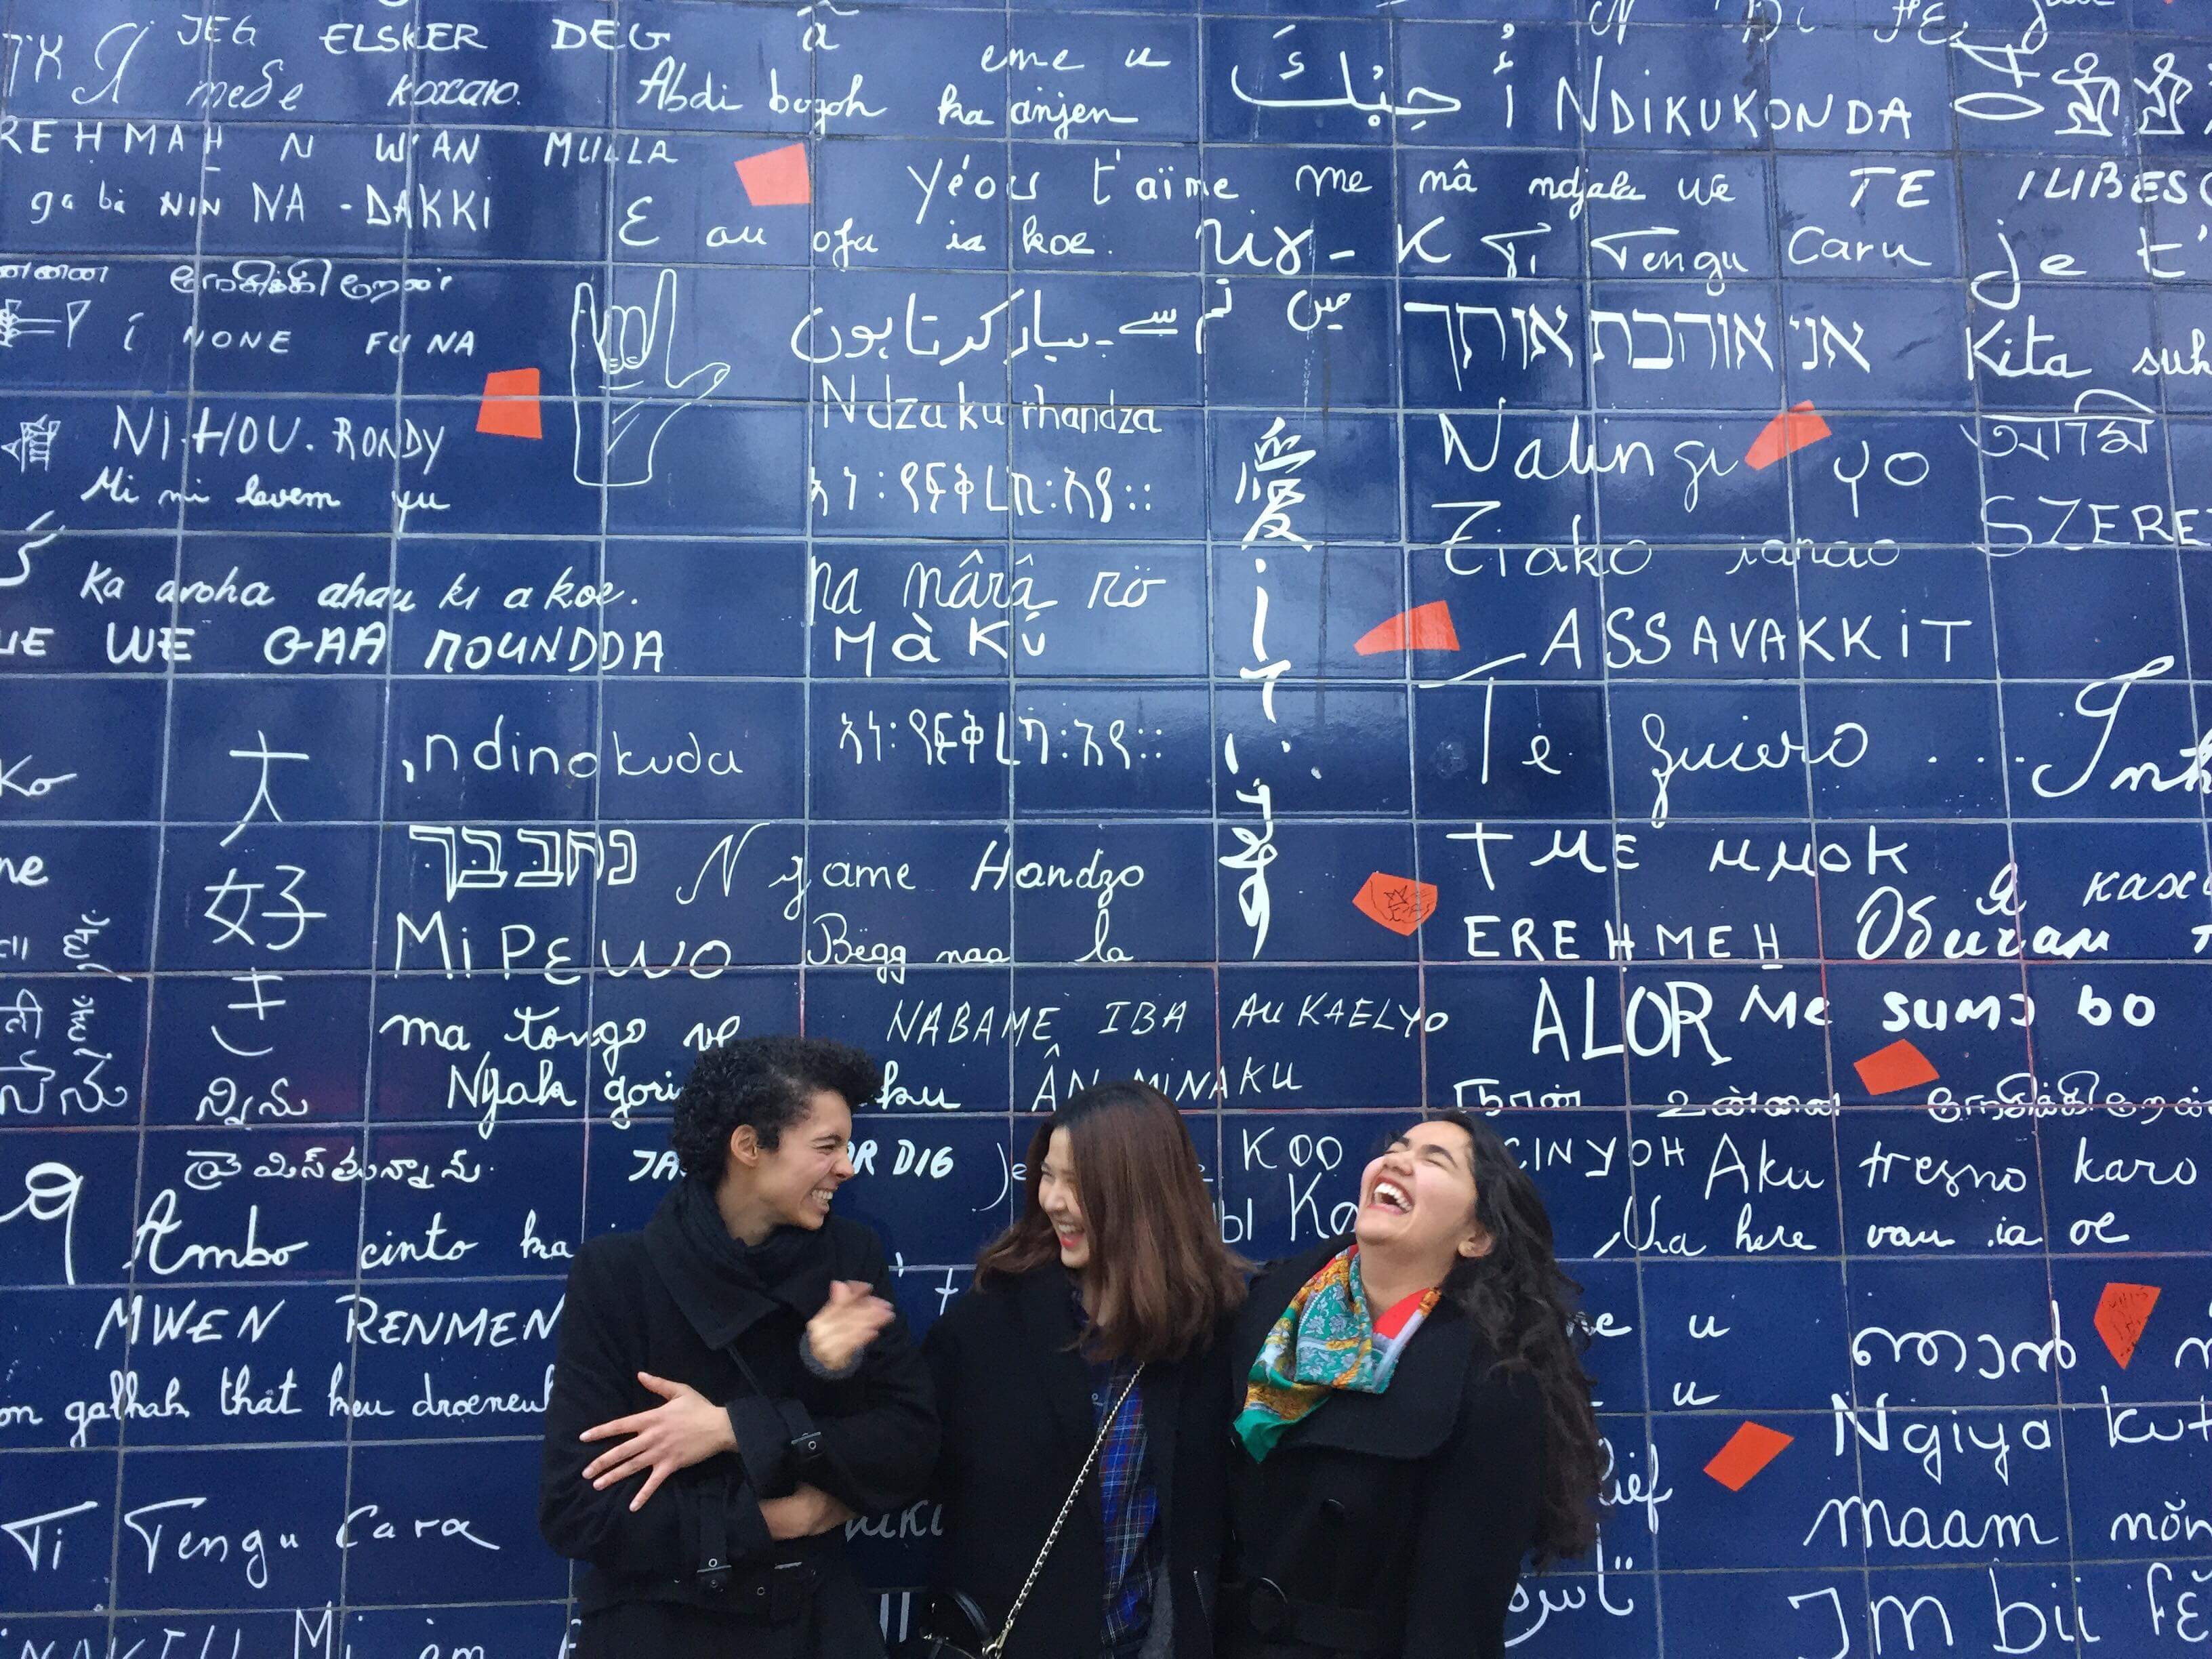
[{"x": 994, "y": 1648}]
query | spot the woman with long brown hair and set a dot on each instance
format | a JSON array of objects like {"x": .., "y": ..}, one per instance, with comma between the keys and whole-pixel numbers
[
  {"x": 1089, "y": 1345},
  {"x": 1416, "y": 1422}
]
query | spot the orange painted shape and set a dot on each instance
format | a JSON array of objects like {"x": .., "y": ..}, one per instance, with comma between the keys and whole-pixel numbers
[
  {"x": 1748, "y": 1450},
  {"x": 1797, "y": 426},
  {"x": 1900, "y": 1066},
  {"x": 1425, "y": 628},
  {"x": 776, "y": 178},
  {"x": 2122, "y": 1312},
  {"x": 510, "y": 405},
  {"x": 1398, "y": 902}
]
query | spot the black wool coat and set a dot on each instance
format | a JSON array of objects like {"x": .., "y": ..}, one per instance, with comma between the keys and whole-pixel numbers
[
  {"x": 1014, "y": 1399},
  {"x": 1403, "y": 1516},
  {"x": 639, "y": 1301}
]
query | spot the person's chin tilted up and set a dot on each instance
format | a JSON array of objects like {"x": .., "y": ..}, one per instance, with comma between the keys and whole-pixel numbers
[
  {"x": 1416, "y": 1420},
  {"x": 732, "y": 1385}
]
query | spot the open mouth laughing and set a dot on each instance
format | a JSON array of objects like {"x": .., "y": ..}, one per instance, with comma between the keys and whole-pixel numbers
[{"x": 1389, "y": 1195}]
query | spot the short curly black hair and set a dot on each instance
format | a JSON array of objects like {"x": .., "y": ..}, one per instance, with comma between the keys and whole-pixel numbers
[{"x": 765, "y": 1081}]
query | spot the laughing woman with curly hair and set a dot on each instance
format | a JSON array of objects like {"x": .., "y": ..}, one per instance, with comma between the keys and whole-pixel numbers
[
  {"x": 732, "y": 1384},
  {"x": 1416, "y": 1420}
]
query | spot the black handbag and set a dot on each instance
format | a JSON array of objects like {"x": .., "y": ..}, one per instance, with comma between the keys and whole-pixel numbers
[{"x": 952, "y": 1626}]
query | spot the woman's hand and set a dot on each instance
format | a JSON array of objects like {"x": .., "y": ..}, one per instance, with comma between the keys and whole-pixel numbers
[
  {"x": 847, "y": 1322},
  {"x": 688, "y": 1429},
  {"x": 808, "y": 1511}
]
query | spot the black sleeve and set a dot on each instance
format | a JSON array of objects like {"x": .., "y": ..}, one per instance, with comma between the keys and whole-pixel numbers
[
  {"x": 877, "y": 1455},
  {"x": 940, "y": 1353},
  {"x": 698, "y": 1515},
  {"x": 1227, "y": 1380},
  {"x": 1481, "y": 1503}
]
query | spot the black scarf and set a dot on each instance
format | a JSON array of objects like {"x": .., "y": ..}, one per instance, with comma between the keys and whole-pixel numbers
[{"x": 723, "y": 1285}]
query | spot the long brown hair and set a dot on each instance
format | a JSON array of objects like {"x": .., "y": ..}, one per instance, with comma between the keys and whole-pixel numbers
[
  {"x": 1161, "y": 1279},
  {"x": 1529, "y": 1311}
]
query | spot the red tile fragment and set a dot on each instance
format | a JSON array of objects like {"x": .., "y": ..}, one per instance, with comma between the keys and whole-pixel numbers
[
  {"x": 1425, "y": 628},
  {"x": 1748, "y": 1450},
  {"x": 1398, "y": 902},
  {"x": 776, "y": 178},
  {"x": 1900, "y": 1066},
  {"x": 2122, "y": 1312},
  {"x": 1797, "y": 426},
  {"x": 510, "y": 405}
]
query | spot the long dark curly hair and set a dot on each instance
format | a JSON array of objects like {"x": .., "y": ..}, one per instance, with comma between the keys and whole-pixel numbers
[{"x": 1529, "y": 1312}]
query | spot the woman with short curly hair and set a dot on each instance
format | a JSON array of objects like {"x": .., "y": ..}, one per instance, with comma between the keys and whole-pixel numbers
[{"x": 731, "y": 1385}]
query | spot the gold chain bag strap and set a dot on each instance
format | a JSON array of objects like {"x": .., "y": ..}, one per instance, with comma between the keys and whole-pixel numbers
[{"x": 939, "y": 1647}]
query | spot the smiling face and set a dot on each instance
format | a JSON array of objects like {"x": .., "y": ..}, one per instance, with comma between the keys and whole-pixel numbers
[
  {"x": 1063, "y": 1207},
  {"x": 793, "y": 1183},
  {"x": 1417, "y": 1200}
]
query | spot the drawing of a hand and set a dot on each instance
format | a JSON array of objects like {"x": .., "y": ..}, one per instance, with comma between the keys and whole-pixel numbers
[{"x": 609, "y": 355}]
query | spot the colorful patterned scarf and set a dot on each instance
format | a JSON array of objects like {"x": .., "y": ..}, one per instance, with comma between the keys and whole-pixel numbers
[{"x": 1325, "y": 1341}]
